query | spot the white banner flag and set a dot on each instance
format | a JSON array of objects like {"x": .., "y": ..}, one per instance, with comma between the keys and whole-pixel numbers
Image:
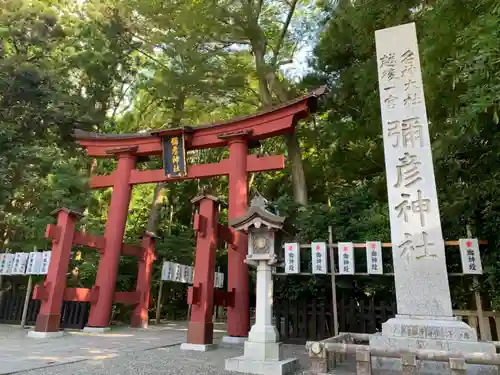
[
  {"x": 374, "y": 257},
  {"x": 167, "y": 272},
  {"x": 318, "y": 257},
  {"x": 44, "y": 268},
  {"x": 346, "y": 258},
  {"x": 34, "y": 263},
  {"x": 219, "y": 280},
  {"x": 471, "y": 257},
  {"x": 185, "y": 274},
  {"x": 19, "y": 265},
  {"x": 3, "y": 261},
  {"x": 188, "y": 274},
  {"x": 292, "y": 258},
  {"x": 178, "y": 271},
  {"x": 7, "y": 264}
]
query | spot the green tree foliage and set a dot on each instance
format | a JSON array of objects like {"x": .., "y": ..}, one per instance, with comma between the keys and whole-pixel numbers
[{"x": 457, "y": 42}]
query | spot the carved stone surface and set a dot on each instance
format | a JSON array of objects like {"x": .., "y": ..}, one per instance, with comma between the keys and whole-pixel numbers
[
  {"x": 442, "y": 335},
  {"x": 248, "y": 366},
  {"x": 421, "y": 280},
  {"x": 261, "y": 241},
  {"x": 452, "y": 329}
]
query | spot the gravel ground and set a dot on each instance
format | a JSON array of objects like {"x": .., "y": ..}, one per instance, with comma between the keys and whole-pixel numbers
[
  {"x": 21, "y": 353},
  {"x": 124, "y": 351},
  {"x": 166, "y": 361}
]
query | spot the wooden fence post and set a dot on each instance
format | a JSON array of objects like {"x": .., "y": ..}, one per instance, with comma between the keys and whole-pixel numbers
[
  {"x": 484, "y": 326},
  {"x": 334, "y": 287},
  {"x": 27, "y": 299}
]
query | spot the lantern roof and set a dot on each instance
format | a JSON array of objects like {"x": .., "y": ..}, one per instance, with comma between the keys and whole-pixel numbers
[{"x": 257, "y": 216}]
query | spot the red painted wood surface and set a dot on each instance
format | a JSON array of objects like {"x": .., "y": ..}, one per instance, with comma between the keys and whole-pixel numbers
[
  {"x": 107, "y": 270},
  {"x": 277, "y": 121},
  {"x": 140, "y": 316},
  {"x": 254, "y": 164},
  {"x": 52, "y": 292},
  {"x": 238, "y": 316},
  {"x": 201, "y": 294}
]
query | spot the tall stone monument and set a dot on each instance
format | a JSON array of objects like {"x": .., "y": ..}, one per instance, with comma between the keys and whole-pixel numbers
[
  {"x": 425, "y": 319},
  {"x": 263, "y": 353}
]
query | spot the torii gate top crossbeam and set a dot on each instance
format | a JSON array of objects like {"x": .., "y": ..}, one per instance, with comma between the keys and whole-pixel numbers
[{"x": 261, "y": 125}]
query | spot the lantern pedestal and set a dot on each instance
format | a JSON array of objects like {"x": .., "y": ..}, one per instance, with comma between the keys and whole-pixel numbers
[{"x": 263, "y": 353}]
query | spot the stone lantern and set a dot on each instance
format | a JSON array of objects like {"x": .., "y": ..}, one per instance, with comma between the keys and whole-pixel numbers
[{"x": 263, "y": 353}]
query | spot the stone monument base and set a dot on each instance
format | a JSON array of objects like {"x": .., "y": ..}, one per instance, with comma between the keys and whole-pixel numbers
[
  {"x": 441, "y": 334},
  {"x": 264, "y": 358},
  {"x": 252, "y": 366},
  {"x": 262, "y": 354}
]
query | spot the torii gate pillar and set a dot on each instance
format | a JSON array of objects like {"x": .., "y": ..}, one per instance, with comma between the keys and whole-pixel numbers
[
  {"x": 107, "y": 272},
  {"x": 201, "y": 294},
  {"x": 238, "y": 316}
]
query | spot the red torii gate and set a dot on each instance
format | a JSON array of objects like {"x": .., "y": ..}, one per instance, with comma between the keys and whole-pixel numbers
[
  {"x": 236, "y": 134},
  {"x": 53, "y": 291}
]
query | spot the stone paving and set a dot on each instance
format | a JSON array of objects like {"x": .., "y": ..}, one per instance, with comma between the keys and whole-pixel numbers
[{"x": 123, "y": 351}]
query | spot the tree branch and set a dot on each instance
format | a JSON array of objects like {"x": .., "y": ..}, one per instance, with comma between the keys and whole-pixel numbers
[
  {"x": 284, "y": 30},
  {"x": 229, "y": 42},
  {"x": 123, "y": 93},
  {"x": 257, "y": 95},
  {"x": 230, "y": 15}
]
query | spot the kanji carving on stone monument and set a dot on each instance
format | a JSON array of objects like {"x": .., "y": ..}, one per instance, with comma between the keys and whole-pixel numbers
[
  {"x": 412, "y": 99},
  {"x": 388, "y": 64},
  {"x": 406, "y": 133},
  {"x": 390, "y": 99},
  {"x": 408, "y": 62},
  {"x": 420, "y": 205},
  {"x": 420, "y": 248},
  {"x": 407, "y": 170},
  {"x": 410, "y": 84}
]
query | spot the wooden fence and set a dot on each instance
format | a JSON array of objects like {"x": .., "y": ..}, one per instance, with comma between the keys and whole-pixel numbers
[
  {"x": 302, "y": 320},
  {"x": 74, "y": 315},
  {"x": 311, "y": 320},
  {"x": 491, "y": 323}
]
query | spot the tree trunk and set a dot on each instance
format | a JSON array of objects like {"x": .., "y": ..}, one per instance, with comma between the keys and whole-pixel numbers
[
  {"x": 292, "y": 142},
  {"x": 258, "y": 48},
  {"x": 158, "y": 198},
  {"x": 298, "y": 174}
]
